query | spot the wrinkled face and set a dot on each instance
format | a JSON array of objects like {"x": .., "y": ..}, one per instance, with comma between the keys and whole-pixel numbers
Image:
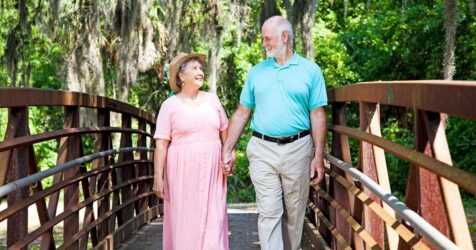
[
  {"x": 192, "y": 74},
  {"x": 272, "y": 41}
]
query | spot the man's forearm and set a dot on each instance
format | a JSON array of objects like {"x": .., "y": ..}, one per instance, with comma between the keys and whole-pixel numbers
[
  {"x": 319, "y": 129},
  {"x": 237, "y": 125}
]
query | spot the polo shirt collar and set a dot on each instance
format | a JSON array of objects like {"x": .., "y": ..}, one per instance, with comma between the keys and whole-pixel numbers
[{"x": 293, "y": 61}]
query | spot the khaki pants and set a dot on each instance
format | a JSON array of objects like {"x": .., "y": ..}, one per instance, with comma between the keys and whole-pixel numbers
[{"x": 280, "y": 175}]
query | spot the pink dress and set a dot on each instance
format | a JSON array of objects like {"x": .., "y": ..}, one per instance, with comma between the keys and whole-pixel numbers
[{"x": 195, "y": 187}]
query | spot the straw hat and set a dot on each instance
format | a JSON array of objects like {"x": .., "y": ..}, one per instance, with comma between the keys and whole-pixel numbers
[{"x": 175, "y": 66}]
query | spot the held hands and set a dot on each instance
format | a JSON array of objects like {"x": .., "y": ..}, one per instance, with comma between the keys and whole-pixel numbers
[
  {"x": 158, "y": 187},
  {"x": 228, "y": 160},
  {"x": 317, "y": 166}
]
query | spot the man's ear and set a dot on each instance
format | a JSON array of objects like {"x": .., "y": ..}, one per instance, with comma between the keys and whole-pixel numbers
[{"x": 285, "y": 37}]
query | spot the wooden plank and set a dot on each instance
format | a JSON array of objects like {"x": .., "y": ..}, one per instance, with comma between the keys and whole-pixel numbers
[
  {"x": 370, "y": 242},
  {"x": 313, "y": 235},
  {"x": 339, "y": 239},
  {"x": 389, "y": 219}
]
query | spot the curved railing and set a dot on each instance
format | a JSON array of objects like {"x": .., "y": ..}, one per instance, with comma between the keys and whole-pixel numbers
[
  {"x": 110, "y": 188},
  {"x": 351, "y": 211}
]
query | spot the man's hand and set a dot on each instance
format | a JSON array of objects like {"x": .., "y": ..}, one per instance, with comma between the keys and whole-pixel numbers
[
  {"x": 317, "y": 166},
  {"x": 228, "y": 162},
  {"x": 158, "y": 187}
]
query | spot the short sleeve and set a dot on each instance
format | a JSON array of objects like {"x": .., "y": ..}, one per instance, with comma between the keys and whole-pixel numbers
[
  {"x": 163, "y": 127},
  {"x": 221, "y": 113},
  {"x": 247, "y": 95},
  {"x": 318, "y": 91}
]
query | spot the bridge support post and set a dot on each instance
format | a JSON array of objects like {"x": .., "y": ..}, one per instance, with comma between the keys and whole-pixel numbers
[
  {"x": 103, "y": 143},
  {"x": 127, "y": 172},
  {"x": 341, "y": 150},
  {"x": 373, "y": 164},
  {"x": 17, "y": 225},
  {"x": 436, "y": 199}
]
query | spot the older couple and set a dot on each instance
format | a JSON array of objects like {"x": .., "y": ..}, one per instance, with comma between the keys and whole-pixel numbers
[{"x": 195, "y": 141}]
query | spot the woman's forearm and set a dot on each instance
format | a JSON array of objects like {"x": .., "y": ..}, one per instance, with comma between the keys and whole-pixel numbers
[{"x": 160, "y": 157}]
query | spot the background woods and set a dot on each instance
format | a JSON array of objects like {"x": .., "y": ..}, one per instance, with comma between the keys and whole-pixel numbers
[{"x": 120, "y": 49}]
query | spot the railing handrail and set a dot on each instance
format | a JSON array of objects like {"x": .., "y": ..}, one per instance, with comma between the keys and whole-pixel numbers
[
  {"x": 415, "y": 220},
  {"x": 28, "y": 180},
  {"x": 461, "y": 177},
  {"x": 21, "y": 97},
  {"x": 450, "y": 97},
  {"x": 40, "y": 137}
]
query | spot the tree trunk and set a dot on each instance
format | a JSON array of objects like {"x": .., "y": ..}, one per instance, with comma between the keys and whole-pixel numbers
[
  {"x": 215, "y": 44},
  {"x": 136, "y": 50},
  {"x": 17, "y": 38},
  {"x": 471, "y": 7},
  {"x": 346, "y": 7},
  {"x": 308, "y": 21},
  {"x": 84, "y": 63},
  {"x": 302, "y": 14},
  {"x": 268, "y": 9},
  {"x": 451, "y": 9},
  {"x": 176, "y": 10}
]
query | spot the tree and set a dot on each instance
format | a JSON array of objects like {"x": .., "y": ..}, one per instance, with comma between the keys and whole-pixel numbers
[
  {"x": 84, "y": 63},
  {"x": 451, "y": 9}
]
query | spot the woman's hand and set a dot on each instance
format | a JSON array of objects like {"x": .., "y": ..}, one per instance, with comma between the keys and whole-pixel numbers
[
  {"x": 228, "y": 162},
  {"x": 158, "y": 187}
]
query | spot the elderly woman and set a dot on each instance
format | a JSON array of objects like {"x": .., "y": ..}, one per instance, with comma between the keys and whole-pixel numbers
[{"x": 188, "y": 175}]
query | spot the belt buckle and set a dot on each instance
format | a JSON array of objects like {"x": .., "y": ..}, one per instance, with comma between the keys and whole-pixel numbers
[
  {"x": 285, "y": 140},
  {"x": 280, "y": 141}
]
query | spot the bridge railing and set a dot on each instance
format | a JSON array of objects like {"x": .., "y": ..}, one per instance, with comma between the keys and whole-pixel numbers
[
  {"x": 351, "y": 211},
  {"x": 110, "y": 188}
]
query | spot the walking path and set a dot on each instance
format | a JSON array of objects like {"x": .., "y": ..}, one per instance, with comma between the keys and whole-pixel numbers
[{"x": 243, "y": 231}]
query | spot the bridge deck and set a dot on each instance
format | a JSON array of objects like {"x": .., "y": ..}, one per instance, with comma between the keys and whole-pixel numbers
[{"x": 242, "y": 226}]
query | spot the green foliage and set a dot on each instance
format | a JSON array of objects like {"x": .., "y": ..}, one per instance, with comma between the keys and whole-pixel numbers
[
  {"x": 397, "y": 168},
  {"x": 331, "y": 56},
  {"x": 240, "y": 187},
  {"x": 461, "y": 136},
  {"x": 237, "y": 63},
  {"x": 3, "y": 122},
  {"x": 392, "y": 45},
  {"x": 44, "y": 119}
]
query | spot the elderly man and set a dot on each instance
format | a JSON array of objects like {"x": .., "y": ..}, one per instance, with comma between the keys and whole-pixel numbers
[{"x": 286, "y": 93}]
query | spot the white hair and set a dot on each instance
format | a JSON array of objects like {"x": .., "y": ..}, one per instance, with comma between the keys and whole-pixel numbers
[{"x": 284, "y": 25}]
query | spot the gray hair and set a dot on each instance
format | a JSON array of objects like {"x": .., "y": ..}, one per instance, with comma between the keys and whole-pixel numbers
[
  {"x": 283, "y": 25},
  {"x": 182, "y": 69}
]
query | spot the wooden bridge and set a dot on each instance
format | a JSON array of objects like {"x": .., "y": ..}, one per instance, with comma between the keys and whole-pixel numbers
[{"x": 110, "y": 187}]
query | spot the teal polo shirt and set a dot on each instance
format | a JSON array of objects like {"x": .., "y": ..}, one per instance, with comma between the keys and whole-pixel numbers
[{"x": 282, "y": 97}]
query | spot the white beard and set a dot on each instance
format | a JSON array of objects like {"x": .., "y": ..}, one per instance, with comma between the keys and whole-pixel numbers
[{"x": 281, "y": 49}]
